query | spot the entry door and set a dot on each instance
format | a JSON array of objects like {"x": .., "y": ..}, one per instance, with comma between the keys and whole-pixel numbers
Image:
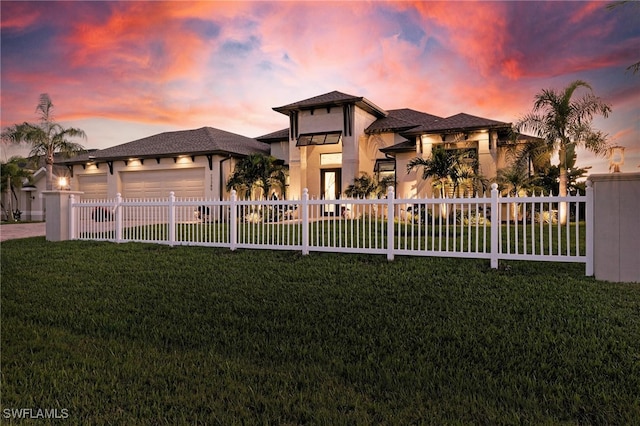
[{"x": 331, "y": 184}]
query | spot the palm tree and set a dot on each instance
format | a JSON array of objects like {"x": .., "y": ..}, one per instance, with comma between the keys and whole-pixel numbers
[
  {"x": 257, "y": 170},
  {"x": 46, "y": 137},
  {"x": 383, "y": 185},
  {"x": 448, "y": 169},
  {"x": 562, "y": 121},
  {"x": 13, "y": 173},
  {"x": 362, "y": 187},
  {"x": 513, "y": 180}
]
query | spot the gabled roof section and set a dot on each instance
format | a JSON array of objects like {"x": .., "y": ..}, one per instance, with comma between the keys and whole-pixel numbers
[
  {"x": 331, "y": 99},
  {"x": 277, "y": 136},
  {"x": 400, "y": 120},
  {"x": 404, "y": 146},
  {"x": 205, "y": 140},
  {"x": 457, "y": 123}
]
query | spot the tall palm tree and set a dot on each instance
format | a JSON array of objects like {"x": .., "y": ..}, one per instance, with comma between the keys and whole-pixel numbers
[
  {"x": 46, "y": 137},
  {"x": 563, "y": 121}
]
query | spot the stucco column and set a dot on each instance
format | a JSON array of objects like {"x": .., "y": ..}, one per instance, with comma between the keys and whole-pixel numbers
[
  {"x": 616, "y": 228},
  {"x": 58, "y": 211}
]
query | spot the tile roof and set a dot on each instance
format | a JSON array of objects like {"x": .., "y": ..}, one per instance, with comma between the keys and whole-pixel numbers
[
  {"x": 334, "y": 98},
  {"x": 404, "y": 146},
  {"x": 402, "y": 119},
  {"x": 205, "y": 140},
  {"x": 458, "y": 122},
  {"x": 276, "y": 136}
]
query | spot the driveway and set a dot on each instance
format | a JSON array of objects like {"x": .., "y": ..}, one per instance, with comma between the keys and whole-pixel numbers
[{"x": 14, "y": 231}]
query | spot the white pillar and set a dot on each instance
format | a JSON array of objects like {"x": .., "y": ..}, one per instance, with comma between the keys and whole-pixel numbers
[
  {"x": 616, "y": 227},
  {"x": 58, "y": 211}
]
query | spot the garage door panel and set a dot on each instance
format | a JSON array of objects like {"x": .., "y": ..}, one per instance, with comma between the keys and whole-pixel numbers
[
  {"x": 94, "y": 186},
  {"x": 159, "y": 183}
]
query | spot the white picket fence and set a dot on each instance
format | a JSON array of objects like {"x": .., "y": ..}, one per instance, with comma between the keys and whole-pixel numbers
[{"x": 494, "y": 227}]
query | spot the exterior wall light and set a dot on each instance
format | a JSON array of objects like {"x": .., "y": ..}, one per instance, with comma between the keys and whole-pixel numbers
[
  {"x": 616, "y": 158},
  {"x": 63, "y": 183}
]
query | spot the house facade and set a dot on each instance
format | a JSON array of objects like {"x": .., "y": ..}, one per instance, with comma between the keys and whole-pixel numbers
[{"x": 331, "y": 139}]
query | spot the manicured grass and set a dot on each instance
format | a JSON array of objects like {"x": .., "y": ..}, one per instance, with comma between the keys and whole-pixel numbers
[
  {"x": 149, "y": 334},
  {"x": 461, "y": 237}
]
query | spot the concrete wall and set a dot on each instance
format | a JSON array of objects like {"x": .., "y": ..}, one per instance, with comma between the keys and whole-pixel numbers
[{"x": 616, "y": 227}]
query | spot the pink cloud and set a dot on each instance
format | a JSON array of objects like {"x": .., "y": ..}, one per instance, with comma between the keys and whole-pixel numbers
[
  {"x": 139, "y": 38},
  {"x": 18, "y": 16},
  {"x": 143, "y": 62},
  {"x": 587, "y": 9}
]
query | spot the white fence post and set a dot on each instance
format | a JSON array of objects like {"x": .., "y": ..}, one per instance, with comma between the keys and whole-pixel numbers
[
  {"x": 117, "y": 209},
  {"x": 233, "y": 221},
  {"x": 72, "y": 217},
  {"x": 390, "y": 220},
  {"x": 172, "y": 218},
  {"x": 495, "y": 226},
  {"x": 589, "y": 237},
  {"x": 304, "y": 205}
]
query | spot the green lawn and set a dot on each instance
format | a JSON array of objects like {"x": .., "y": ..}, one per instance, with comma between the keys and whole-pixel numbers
[
  {"x": 372, "y": 234},
  {"x": 149, "y": 334}
]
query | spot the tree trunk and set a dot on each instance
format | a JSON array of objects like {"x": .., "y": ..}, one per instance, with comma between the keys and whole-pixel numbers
[
  {"x": 49, "y": 182},
  {"x": 562, "y": 184},
  {"x": 10, "y": 217}
]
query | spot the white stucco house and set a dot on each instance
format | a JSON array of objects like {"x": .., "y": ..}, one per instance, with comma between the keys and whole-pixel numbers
[{"x": 330, "y": 140}]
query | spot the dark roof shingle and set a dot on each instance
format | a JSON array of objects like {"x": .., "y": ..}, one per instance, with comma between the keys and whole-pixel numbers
[
  {"x": 206, "y": 140},
  {"x": 276, "y": 136},
  {"x": 330, "y": 99},
  {"x": 458, "y": 122},
  {"x": 402, "y": 119}
]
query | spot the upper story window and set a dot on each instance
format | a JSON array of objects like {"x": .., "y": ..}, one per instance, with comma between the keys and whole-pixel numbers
[{"x": 323, "y": 138}]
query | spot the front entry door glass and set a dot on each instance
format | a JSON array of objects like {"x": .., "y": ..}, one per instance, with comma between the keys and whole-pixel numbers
[{"x": 331, "y": 184}]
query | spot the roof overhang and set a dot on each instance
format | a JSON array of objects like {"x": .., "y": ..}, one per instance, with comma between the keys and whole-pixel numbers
[
  {"x": 93, "y": 159},
  {"x": 361, "y": 102},
  {"x": 452, "y": 130}
]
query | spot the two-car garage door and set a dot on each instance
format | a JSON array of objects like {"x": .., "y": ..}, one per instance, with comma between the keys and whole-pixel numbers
[{"x": 159, "y": 183}]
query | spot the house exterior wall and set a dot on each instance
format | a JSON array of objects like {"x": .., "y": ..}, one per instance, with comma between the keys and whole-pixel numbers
[
  {"x": 357, "y": 160},
  {"x": 280, "y": 150},
  {"x": 304, "y": 162}
]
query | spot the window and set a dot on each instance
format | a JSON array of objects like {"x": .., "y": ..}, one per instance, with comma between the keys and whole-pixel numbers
[
  {"x": 331, "y": 159},
  {"x": 385, "y": 171},
  {"x": 324, "y": 138}
]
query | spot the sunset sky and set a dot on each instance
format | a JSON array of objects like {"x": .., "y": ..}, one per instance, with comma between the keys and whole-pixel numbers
[{"x": 125, "y": 70}]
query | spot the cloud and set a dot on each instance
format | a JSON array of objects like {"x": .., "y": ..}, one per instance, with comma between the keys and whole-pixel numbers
[
  {"x": 226, "y": 64},
  {"x": 17, "y": 17}
]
